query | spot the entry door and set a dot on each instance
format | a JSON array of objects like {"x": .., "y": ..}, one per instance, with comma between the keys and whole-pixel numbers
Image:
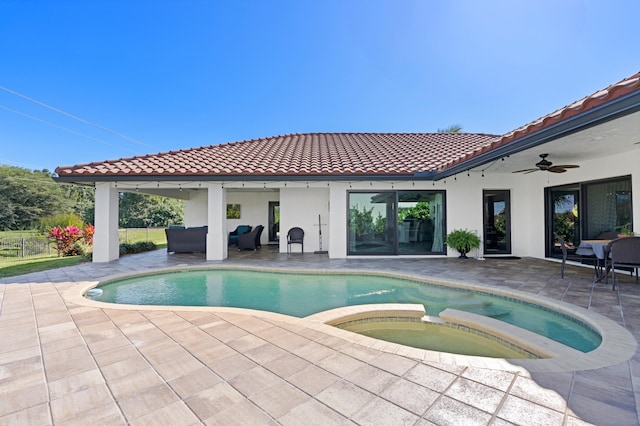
[
  {"x": 274, "y": 220},
  {"x": 497, "y": 221}
]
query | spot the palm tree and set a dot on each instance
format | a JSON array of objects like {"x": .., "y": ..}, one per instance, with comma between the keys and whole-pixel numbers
[{"x": 454, "y": 128}]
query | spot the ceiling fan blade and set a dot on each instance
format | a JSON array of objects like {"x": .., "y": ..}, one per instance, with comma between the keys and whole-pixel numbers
[
  {"x": 568, "y": 166},
  {"x": 556, "y": 169},
  {"x": 526, "y": 171}
]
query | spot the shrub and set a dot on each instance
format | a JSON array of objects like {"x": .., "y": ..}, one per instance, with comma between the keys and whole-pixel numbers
[
  {"x": 139, "y": 247},
  {"x": 69, "y": 241},
  {"x": 61, "y": 221}
]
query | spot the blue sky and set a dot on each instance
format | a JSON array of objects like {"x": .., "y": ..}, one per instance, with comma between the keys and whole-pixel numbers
[{"x": 85, "y": 81}]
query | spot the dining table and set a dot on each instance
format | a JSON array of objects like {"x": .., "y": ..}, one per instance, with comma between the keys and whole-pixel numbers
[{"x": 597, "y": 249}]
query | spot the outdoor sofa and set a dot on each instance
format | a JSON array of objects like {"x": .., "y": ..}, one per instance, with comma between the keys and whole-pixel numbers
[{"x": 186, "y": 240}]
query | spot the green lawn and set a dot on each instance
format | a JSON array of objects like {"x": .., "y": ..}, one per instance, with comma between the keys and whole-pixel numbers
[
  {"x": 13, "y": 266},
  {"x": 28, "y": 265}
]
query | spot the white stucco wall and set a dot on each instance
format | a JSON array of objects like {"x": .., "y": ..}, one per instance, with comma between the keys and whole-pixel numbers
[
  {"x": 301, "y": 207},
  {"x": 464, "y": 200},
  {"x": 195, "y": 208}
]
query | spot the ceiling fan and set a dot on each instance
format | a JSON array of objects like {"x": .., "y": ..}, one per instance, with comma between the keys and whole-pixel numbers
[{"x": 547, "y": 166}]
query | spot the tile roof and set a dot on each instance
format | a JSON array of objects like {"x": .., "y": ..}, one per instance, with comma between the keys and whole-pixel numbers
[
  {"x": 306, "y": 154},
  {"x": 337, "y": 154}
]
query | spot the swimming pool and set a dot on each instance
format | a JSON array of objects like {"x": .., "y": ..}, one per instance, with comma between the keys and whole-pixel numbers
[{"x": 304, "y": 294}]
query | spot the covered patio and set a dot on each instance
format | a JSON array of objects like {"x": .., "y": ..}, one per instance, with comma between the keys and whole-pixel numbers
[{"x": 65, "y": 363}]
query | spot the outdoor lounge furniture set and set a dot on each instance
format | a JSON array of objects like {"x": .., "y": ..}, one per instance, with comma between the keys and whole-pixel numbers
[
  {"x": 245, "y": 237},
  {"x": 194, "y": 239}
]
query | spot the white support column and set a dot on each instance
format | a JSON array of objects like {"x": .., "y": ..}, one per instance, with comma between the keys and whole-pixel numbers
[
  {"x": 338, "y": 220},
  {"x": 635, "y": 199},
  {"x": 217, "y": 222},
  {"x": 106, "y": 244}
]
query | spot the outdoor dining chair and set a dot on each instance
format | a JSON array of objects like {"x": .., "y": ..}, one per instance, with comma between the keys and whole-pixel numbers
[
  {"x": 295, "y": 236},
  {"x": 623, "y": 252}
]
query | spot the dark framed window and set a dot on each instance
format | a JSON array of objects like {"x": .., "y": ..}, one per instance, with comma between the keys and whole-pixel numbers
[{"x": 583, "y": 210}]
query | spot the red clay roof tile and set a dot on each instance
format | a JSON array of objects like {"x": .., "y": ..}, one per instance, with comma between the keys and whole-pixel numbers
[{"x": 307, "y": 154}]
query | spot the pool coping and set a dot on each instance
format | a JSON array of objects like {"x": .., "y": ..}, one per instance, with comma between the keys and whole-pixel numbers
[{"x": 618, "y": 344}]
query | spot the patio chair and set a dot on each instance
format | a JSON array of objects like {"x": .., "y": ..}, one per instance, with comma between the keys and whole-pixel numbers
[
  {"x": 295, "y": 236},
  {"x": 563, "y": 246},
  {"x": 250, "y": 240},
  {"x": 233, "y": 235},
  {"x": 623, "y": 252}
]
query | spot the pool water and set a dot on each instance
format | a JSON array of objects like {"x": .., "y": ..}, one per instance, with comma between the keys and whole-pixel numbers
[
  {"x": 300, "y": 295},
  {"x": 435, "y": 337}
]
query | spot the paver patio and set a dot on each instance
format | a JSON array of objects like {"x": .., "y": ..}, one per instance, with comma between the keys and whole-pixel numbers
[{"x": 65, "y": 363}]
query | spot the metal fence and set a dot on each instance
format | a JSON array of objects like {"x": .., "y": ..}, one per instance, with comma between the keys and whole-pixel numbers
[
  {"x": 33, "y": 246},
  {"x": 21, "y": 247}
]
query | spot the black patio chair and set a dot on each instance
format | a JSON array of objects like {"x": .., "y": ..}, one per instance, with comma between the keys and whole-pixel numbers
[
  {"x": 295, "y": 236},
  {"x": 624, "y": 253},
  {"x": 233, "y": 235},
  {"x": 250, "y": 240}
]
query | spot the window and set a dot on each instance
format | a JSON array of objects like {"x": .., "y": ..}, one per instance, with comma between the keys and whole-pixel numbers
[{"x": 585, "y": 210}]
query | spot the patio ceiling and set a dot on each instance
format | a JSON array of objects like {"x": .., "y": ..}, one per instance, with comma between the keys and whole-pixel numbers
[{"x": 617, "y": 136}]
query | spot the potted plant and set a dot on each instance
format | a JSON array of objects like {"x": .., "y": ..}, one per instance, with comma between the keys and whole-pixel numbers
[{"x": 463, "y": 241}]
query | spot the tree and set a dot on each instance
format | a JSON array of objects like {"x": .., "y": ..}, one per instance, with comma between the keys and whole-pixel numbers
[
  {"x": 81, "y": 200},
  {"x": 454, "y": 128},
  {"x": 141, "y": 211},
  {"x": 26, "y": 196}
]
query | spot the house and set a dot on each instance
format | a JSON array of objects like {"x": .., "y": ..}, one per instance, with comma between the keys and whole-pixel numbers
[{"x": 397, "y": 194}]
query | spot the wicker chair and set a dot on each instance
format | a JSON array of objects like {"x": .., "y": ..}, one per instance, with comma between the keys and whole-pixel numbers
[
  {"x": 250, "y": 240},
  {"x": 295, "y": 236},
  {"x": 623, "y": 252},
  {"x": 233, "y": 235}
]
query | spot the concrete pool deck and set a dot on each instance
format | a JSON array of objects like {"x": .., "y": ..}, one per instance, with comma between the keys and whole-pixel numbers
[{"x": 67, "y": 363}]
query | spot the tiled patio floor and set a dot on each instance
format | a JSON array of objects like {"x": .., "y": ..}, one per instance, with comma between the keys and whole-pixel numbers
[{"x": 65, "y": 363}]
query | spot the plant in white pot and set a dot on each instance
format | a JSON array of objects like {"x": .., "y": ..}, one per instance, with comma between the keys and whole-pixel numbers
[{"x": 463, "y": 241}]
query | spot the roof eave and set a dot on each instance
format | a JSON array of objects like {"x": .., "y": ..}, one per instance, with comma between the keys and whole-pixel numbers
[
  {"x": 227, "y": 178},
  {"x": 606, "y": 112}
]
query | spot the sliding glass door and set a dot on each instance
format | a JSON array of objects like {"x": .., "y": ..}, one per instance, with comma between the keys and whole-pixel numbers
[
  {"x": 396, "y": 222},
  {"x": 563, "y": 206}
]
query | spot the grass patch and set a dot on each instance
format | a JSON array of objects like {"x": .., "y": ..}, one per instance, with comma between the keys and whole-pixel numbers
[
  {"x": 11, "y": 266},
  {"x": 134, "y": 235},
  {"x": 18, "y": 234},
  {"x": 27, "y": 266}
]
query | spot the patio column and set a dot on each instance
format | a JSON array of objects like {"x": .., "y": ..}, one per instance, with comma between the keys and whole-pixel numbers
[
  {"x": 106, "y": 244},
  {"x": 217, "y": 222}
]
